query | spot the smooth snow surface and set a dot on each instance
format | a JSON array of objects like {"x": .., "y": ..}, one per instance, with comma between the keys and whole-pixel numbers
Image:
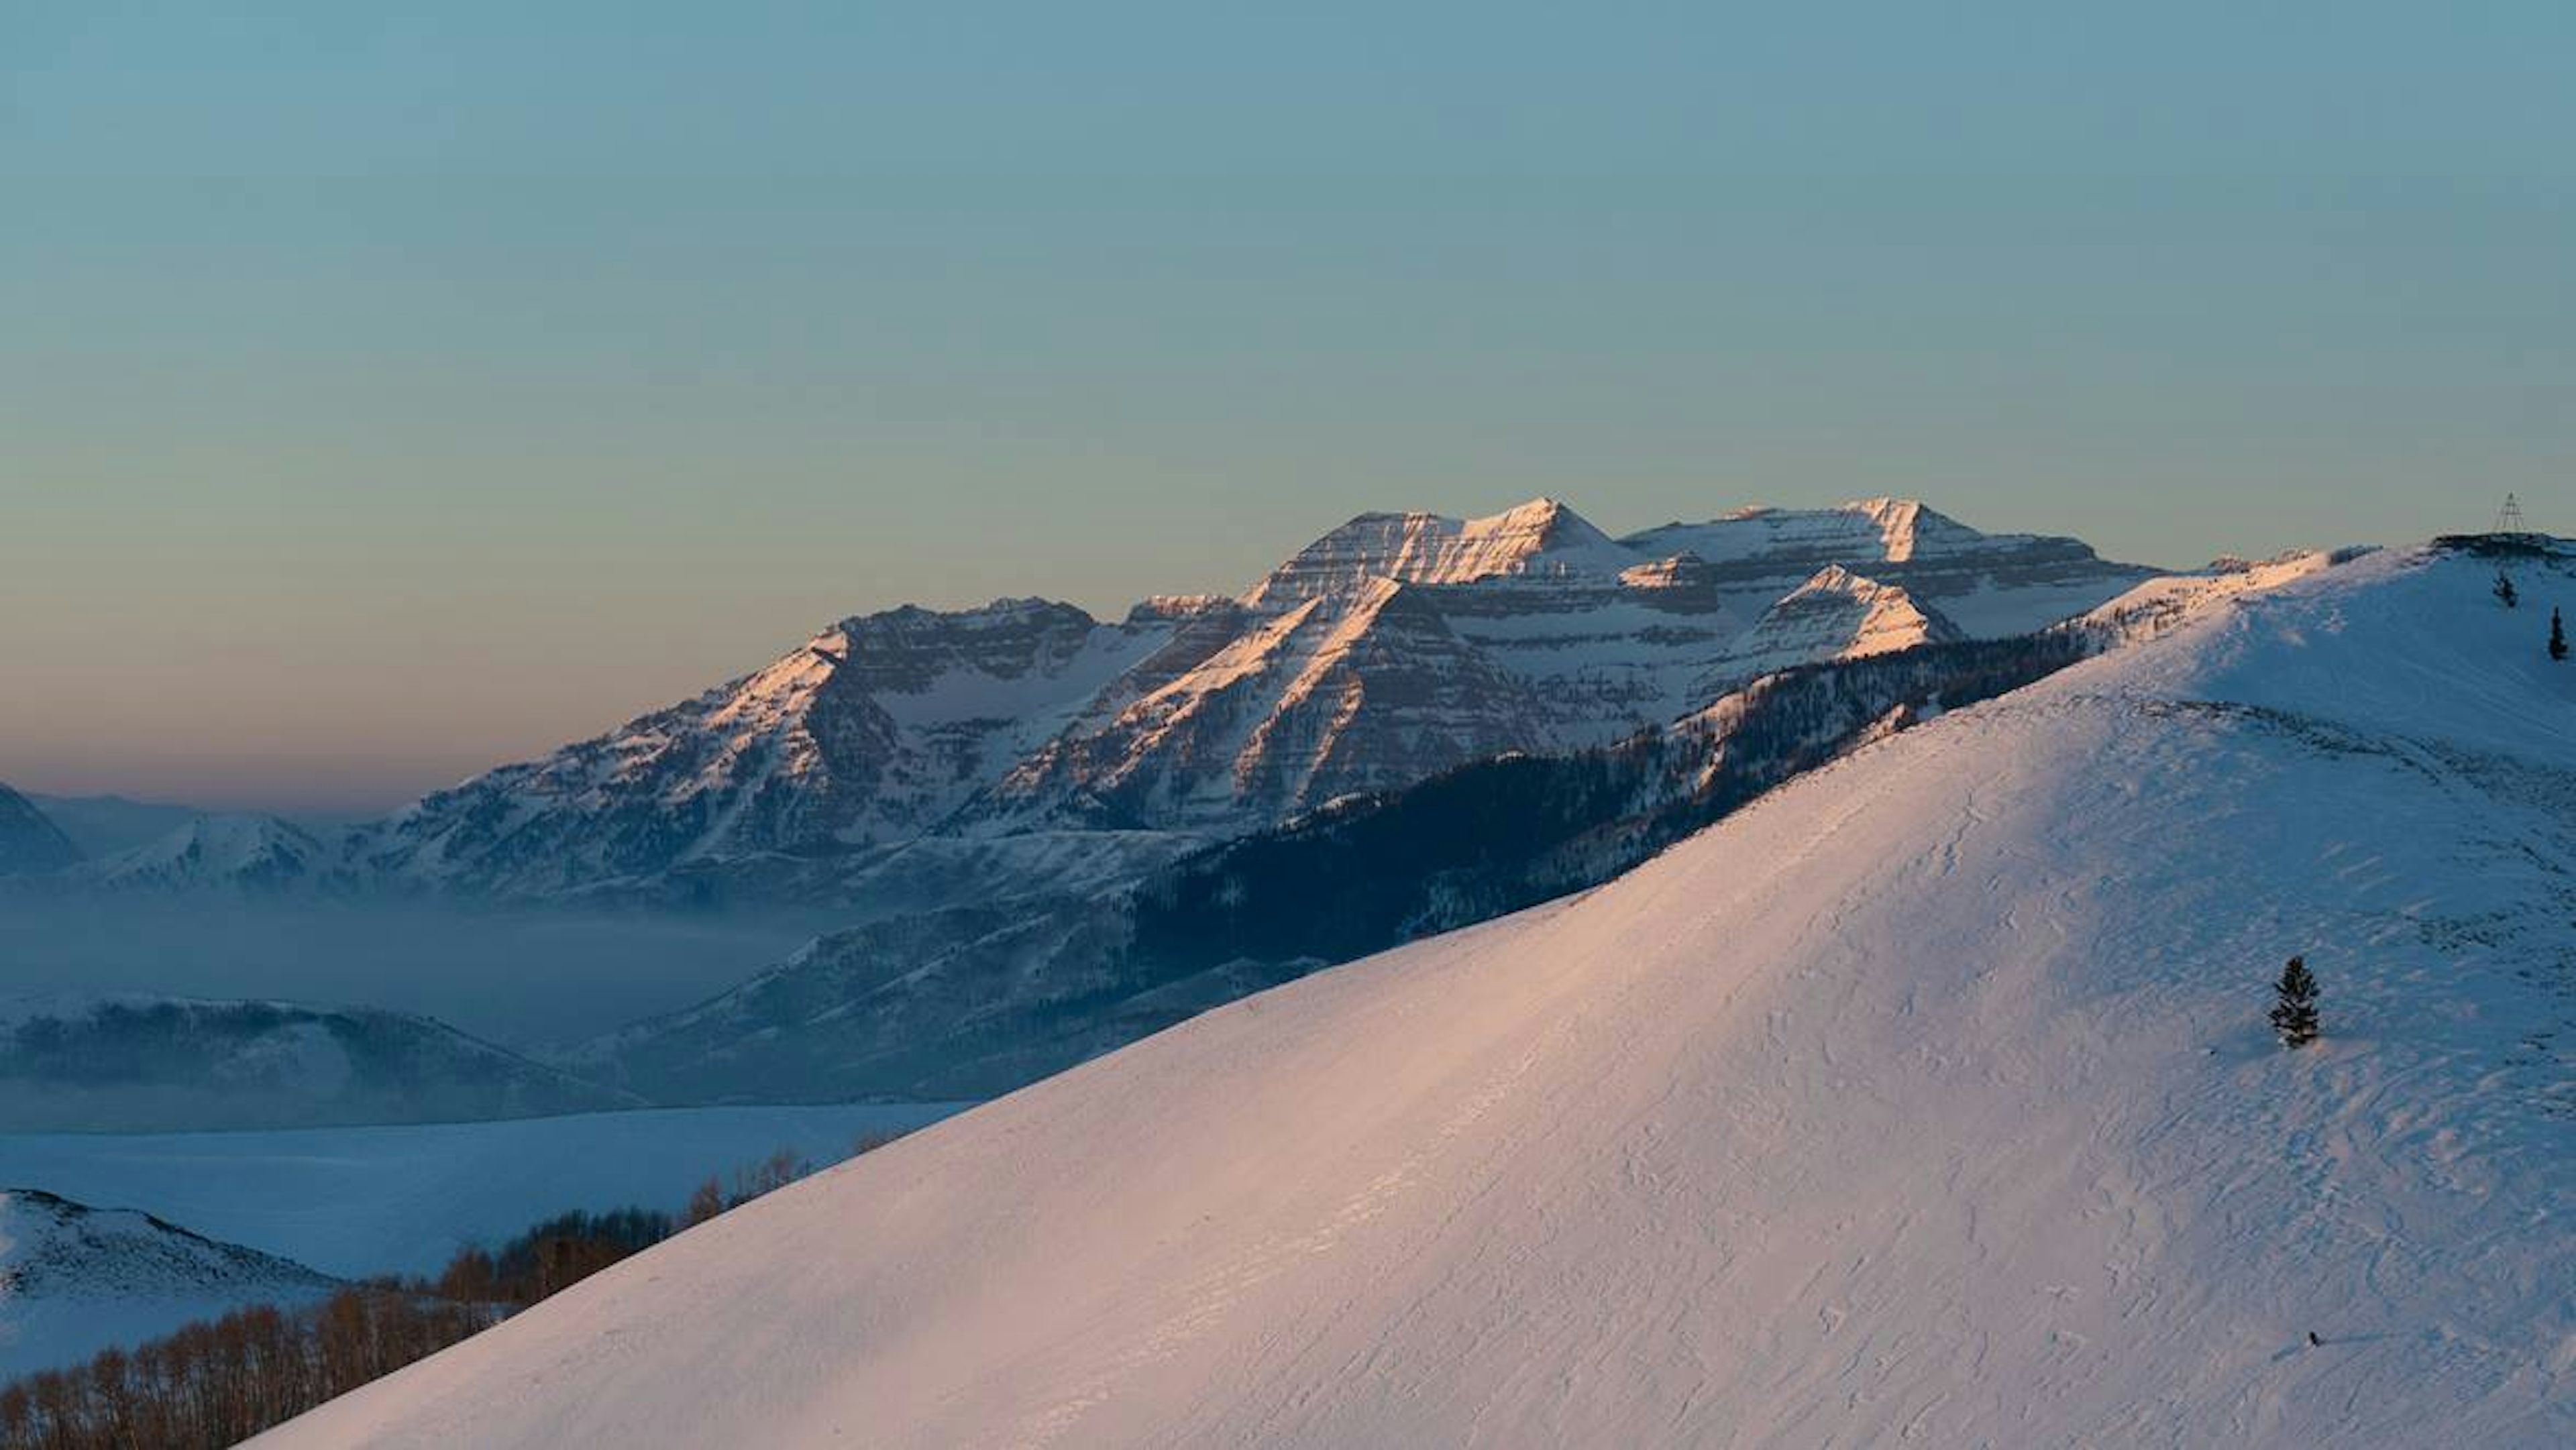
[{"x": 1929, "y": 1100}]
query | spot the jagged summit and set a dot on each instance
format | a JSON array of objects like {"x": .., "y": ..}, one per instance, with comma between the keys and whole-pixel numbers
[
  {"x": 1990, "y": 585},
  {"x": 1880, "y": 530},
  {"x": 1395, "y": 647},
  {"x": 236, "y": 853},
  {"x": 1179, "y": 606},
  {"x": 1891, "y": 617},
  {"x": 1539, "y": 538},
  {"x": 1330, "y": 695},
  {"x": 872, "y": 732},
  {"x": 1835, "y": 615}
]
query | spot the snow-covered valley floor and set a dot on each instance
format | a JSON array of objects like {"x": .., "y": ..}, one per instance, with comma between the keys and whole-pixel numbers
[{"x": 1929, "y": 1100}]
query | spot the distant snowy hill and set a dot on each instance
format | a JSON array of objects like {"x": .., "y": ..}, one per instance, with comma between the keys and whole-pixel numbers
[
  {"x": 123, "y": 1062},
  {"x": 30, "y": 843},
  {"x": 1928, "y": 1099},
  {"x": 75, "y": 1279},
  {"x": 224, "y": 855}
]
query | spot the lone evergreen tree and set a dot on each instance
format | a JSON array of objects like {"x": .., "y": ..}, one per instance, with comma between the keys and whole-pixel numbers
[
  {"x": 2504, "y": 589},
  {"x": 2557, "y": 637},
  {"x": 2294, "y": 1016}
]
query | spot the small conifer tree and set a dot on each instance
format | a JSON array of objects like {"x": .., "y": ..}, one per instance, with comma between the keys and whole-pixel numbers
[
  {"x": 2505, "y": 591},
  {"x": 2557, "y": 637},
  {"x": 2294, "y": 1015}
]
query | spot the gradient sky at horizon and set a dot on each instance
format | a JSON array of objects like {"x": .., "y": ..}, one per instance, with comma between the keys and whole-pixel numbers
[{"x": 384, "y": 395}]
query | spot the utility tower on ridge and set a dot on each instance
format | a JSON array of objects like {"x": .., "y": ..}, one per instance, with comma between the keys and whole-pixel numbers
[{"x": 2509, "y": 518}]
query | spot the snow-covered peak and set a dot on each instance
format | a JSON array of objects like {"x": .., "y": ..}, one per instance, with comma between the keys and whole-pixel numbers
[
  {"x": 912, "y": 723},
  {"x": 785, "y": 688},
  {"x": 1906, "y": 528},
  {"x": 911, "y": 650},
  {"x": 1860, "y": 531},
  {"x": 232, "y": 853},
  {"x": 1832, "y": 579},
  {"x": 1329, "y": 694},
  {"x": 879, "y": 727},
  {"x": 1541, "y": 538},
  {"x": 906, "y": 623},
  {"x": 1990, "y": 585},
  {"x": 1836, "y": 614},
  {"x": 1004, "y": 610},
  {"x": 1166, "y": 608},
  {"x": 1673, "y": 572},
  {"x": 1552, "y": 522}
]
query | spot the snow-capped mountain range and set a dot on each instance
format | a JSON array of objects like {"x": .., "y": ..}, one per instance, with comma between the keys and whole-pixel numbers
[
  {"x": 893, "y": 746},
  {"x": 1929, "y": 1098}
]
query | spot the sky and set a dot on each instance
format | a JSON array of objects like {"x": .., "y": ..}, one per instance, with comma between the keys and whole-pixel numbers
[{"x": 387, "y": 392}]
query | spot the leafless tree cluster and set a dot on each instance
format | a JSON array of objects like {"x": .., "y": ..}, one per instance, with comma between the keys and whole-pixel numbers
[
  {"x": 218, "y": 1382},
  {"x": 751, "y": 1181}
]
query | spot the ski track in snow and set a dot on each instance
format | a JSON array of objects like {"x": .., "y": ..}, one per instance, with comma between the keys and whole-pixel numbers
[{"x": 1926, "y": 1101}]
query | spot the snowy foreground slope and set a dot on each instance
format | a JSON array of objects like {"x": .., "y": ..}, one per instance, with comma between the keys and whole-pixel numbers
[{"x": 1929, "y": 1098}]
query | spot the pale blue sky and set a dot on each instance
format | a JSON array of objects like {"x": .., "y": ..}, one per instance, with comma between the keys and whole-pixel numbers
[{"x": 383, "y": 395}]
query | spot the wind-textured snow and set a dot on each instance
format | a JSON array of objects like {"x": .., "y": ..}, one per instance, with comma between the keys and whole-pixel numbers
[{"x": 1928, "y": 1098}]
